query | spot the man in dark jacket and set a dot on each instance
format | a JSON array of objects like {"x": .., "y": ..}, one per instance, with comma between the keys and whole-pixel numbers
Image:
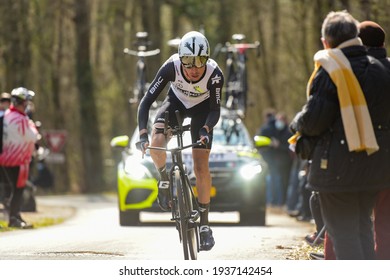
[{"x": 348, "y": 171}]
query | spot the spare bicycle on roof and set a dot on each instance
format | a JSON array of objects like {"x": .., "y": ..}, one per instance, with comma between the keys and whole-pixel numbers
[
  {"x": 141, "y": 84},
  {"x": 236, "y": 94}
]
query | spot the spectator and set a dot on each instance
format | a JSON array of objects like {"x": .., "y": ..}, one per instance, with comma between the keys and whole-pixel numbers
[
  {"x": 5, "y": 101},
  {"x": 277, "y": 156},
  {"x": 373, "y": 37},
  {"x": 304, "y": 214},
  {"x": 284, "y": 157},
  {"x": 268, "y": 130},
  {"x": 351, "y": 162},
  {"x": 20, "y": 135},
  {"x": 293, "y": 194}
]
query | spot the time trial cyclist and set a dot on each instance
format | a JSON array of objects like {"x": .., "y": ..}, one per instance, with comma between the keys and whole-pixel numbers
[{"x": 195, "y": 90}]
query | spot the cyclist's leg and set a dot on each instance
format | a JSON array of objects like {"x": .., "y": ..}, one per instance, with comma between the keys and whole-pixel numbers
[
  {"x": 170, "y": 104},
  {"x": 201, "y": 153},
  {"x": 203, "y": 183},
  {"x": 158, "y": 138},
  {"x": 202, "y": 173}
]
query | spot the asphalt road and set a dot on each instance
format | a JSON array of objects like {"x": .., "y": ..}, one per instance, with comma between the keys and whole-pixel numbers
[{"x": 93, "y": 233}]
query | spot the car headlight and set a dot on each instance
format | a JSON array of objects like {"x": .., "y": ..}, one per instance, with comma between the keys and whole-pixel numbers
[
  {"x": 249, "y": 171},
  {"x": 136, "y": 170}
]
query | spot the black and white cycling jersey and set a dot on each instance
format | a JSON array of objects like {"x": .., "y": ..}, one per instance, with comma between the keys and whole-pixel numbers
[{"x": 189, "y": 93}]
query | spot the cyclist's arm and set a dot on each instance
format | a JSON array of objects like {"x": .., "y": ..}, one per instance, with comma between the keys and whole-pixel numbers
[
  {"x": 164, "y": 75},
  {"x": 215, "y": 85}
]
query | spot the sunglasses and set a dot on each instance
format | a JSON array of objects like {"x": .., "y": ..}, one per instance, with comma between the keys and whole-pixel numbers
[{"x": 194, "y": 61}]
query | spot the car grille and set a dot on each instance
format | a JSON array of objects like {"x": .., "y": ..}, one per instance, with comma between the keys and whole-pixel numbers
[
  {"x": 222, "y": 177},
  {"x": 137, "y": 196}
]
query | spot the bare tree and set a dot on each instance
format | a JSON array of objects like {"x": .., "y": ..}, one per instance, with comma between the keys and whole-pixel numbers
[
  {"x": 16, "y": 43},
  {"x": 89, "y": 126},
  {"x": 266, "y": 67},
  {"x": 49, "y": 41}
]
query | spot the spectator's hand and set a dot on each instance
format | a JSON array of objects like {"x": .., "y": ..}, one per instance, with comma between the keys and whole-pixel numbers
[
  {"x": 143, "y": 143},
  {"x": 204, "y": 136}
]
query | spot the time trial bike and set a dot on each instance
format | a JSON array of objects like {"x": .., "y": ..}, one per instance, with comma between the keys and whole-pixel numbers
[{"x": 184, "y": 206}]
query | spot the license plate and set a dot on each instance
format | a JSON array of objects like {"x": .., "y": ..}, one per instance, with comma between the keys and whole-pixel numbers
[{"x": 213, "y": 191}]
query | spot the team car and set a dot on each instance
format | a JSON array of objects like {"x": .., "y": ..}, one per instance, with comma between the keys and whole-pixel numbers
[{"x": 238, "y": 174}]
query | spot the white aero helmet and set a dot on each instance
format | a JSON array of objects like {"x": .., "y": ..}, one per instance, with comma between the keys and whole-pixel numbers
[
  {"x": 22, "y": 93},
  {"x": 194, "y": 49}
]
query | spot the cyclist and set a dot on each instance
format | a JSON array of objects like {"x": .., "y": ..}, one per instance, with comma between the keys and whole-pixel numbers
[{"x": 195, "y": 90}]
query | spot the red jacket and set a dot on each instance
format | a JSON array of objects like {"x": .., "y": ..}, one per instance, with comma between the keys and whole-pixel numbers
[{"x": 19, "y": 137}]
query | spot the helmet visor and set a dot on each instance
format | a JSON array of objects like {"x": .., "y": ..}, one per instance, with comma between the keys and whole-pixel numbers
[{"x": 194, "y": 61}]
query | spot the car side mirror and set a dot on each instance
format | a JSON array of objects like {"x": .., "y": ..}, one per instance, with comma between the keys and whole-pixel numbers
[
  {"x": 262, "y": 141},
  {"x": 120, "y": 141}
]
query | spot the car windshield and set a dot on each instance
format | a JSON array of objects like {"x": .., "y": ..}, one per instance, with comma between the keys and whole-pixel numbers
[{"x": 231, "y": 132}]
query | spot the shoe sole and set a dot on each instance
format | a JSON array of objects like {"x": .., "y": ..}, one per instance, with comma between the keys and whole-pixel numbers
[{"x": 206, "y": 249}]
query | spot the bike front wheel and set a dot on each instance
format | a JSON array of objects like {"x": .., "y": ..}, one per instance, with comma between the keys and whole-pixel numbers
[
  {"x": 187, "y": 228},
  {"x": 193, "y": 234}
]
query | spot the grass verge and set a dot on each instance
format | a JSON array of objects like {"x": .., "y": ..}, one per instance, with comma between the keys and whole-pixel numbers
[{"x": 44, "y": 216}]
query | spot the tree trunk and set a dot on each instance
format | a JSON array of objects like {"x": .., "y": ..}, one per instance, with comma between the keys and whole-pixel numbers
[
  {"x": 266, "y": 72},
  {"x": 16, "y": 43},
  {"x": 90, "y": 137}
]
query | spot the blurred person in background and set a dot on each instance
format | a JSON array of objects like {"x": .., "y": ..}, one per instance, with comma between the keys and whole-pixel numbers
[
  {"x": 277, "y": 156},
  {"x": 5, "y": 102},
  {"x": 284, "y": 157},
  {"x": 19, "y": 138}
]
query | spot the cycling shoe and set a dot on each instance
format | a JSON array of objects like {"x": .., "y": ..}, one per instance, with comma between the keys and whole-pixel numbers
[
  {"x": 206, "y": 238},
  {"x": 163, "y": 197}
]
